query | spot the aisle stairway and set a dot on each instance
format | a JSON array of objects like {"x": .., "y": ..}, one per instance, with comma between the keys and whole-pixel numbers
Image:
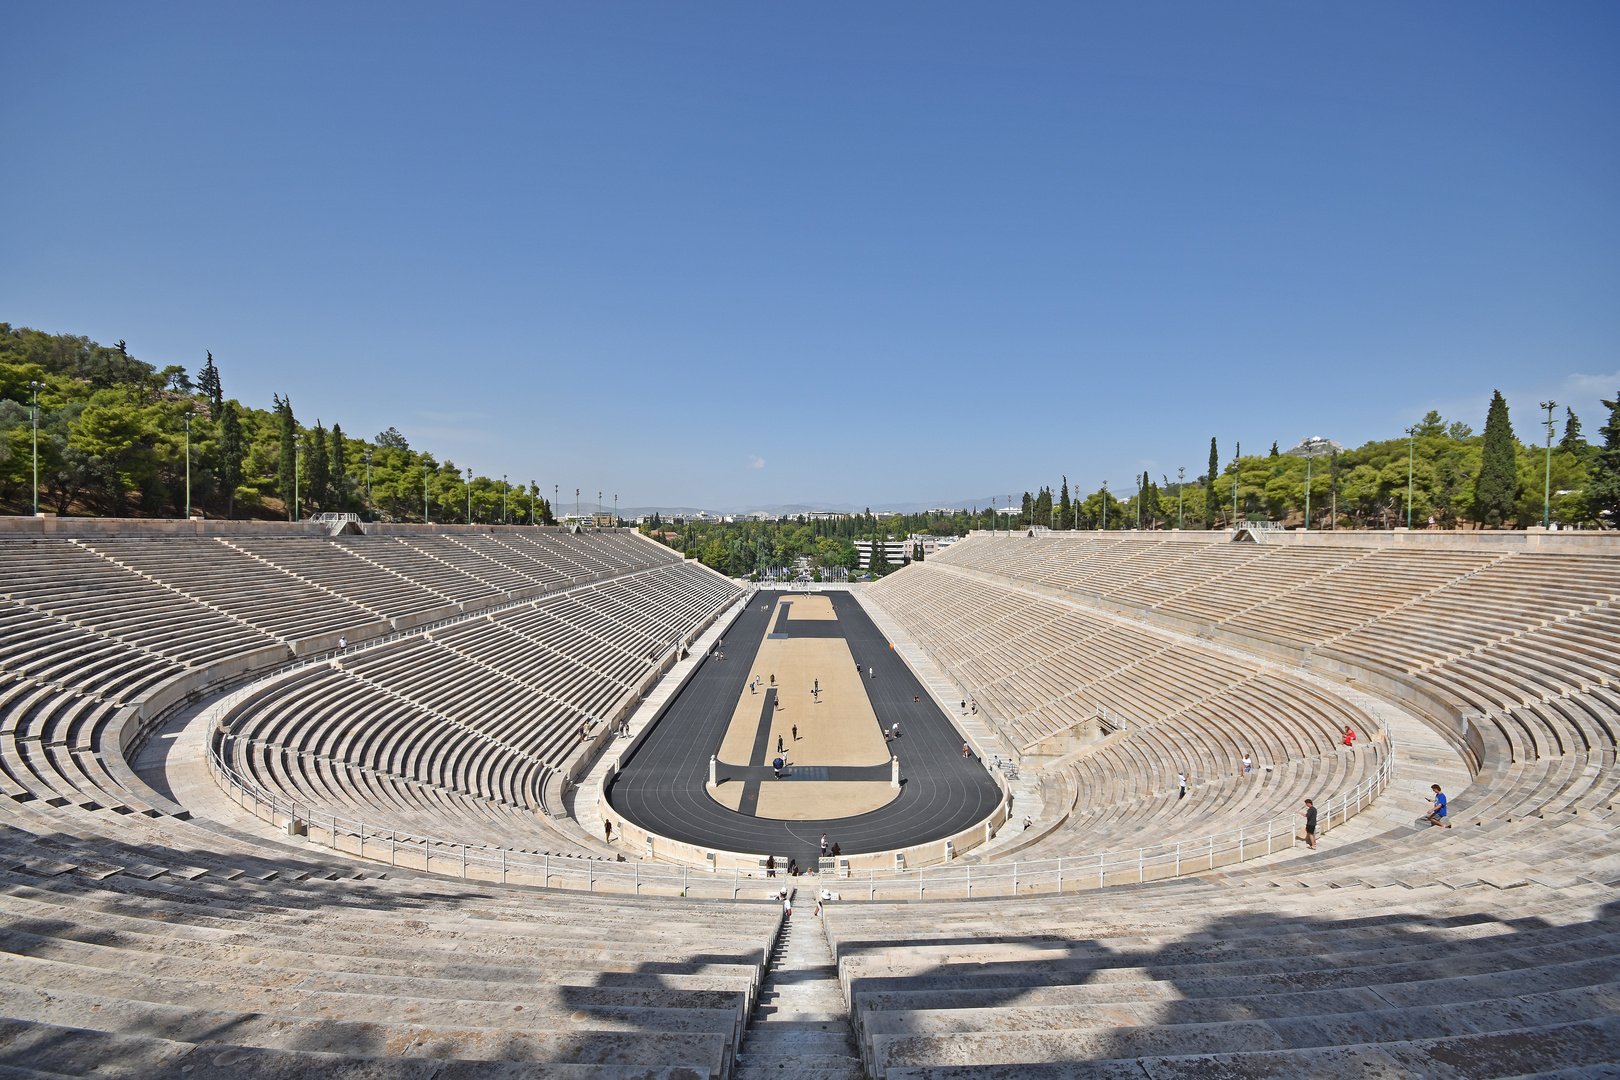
[{"x": 800, "y": 1028}]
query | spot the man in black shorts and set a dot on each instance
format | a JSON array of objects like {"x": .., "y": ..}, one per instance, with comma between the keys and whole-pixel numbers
[{"x": 1309, "y": 814}]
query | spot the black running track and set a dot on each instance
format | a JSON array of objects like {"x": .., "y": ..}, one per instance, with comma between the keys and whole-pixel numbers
[{"x": 661, "y": 786}]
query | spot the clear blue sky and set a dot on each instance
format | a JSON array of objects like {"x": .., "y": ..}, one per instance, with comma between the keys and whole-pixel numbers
[{"x": 750, "y": 254}]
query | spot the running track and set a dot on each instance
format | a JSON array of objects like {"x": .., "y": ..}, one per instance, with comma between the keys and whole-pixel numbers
[{"x": 661, "y": 786}]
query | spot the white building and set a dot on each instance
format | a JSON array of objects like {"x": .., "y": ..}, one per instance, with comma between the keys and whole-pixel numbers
[
  {"x": 930, "y": 544},
  {"x": 896, "y": 552}
]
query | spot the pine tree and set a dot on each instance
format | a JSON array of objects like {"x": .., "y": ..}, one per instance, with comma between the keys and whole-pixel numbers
[
  {"x": 1603, "y": 489},
  {"x": 208, "y": 383},
  {"x": 340, "y": 469},
  {"x": 1274, "y": 449},
  {"x": 1210, "y": 502},
  {"x": 287, "y": 467},
  {"x": 317, "y": 465},
  {"x": 232, "y": 452},
  {"x": 1572, "y": 442},
  {"x": 1498, "y": 484},
  {"x": 1065, "y": 515}
]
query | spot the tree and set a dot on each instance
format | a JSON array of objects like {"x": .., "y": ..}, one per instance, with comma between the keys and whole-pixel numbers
[
  {"x": 1431, "y": 425},
  {"x": 1572, "y": 442},
  {"x": 287, "y": 468},
  {"x": 1603, "y": 489},
  {"x": 340, "y": 469},
  {"x": 317, "y": 466},
  {"x": 1209, "y": 485},
  {"x": 1065, "y": 516},
  {"x": 208, "y": 383},
  {"x": 1497, "y": 487},
  {"x": 1274, "y": 448},
  {"x": 393, "y": 440},
  {"x": 232, "y": 450},
  {"x": 879, "y": 564}
]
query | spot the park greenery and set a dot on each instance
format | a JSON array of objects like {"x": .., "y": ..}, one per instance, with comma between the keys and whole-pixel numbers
[{"x": 113, "y": 440}]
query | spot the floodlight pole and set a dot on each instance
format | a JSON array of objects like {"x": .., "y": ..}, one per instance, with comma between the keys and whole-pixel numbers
[
  {"x": 469, "y": 494},
  {"x": 1105, "y": 506},
  {"x": 506, "y": 489},
  {"x": 1546, "y": 490},
  {"x": 425, "y": 519},
  {"x": 188, "y": 464},
  {"x": 368, "y": 484},
  {"x": 534, "y": 493},
  {"x": 1181, "y": 495},
  {"x": 33, "y": 385},
  {"x": 1411, "y": 441},
  {"x": 298, "y": 513}
]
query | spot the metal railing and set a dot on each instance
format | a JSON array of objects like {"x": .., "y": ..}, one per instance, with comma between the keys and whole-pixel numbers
[{"x": 1070, "y": 873}]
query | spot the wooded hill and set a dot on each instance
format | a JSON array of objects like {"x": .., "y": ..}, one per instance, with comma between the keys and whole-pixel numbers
[{"x": 113, "y": 437}]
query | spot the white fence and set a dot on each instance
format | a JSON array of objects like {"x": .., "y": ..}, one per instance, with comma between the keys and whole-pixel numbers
[{"x": 1068, "y": 874}]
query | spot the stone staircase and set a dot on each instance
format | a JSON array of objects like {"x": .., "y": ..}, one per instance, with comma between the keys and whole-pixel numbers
[{"x": 800, "y": 1028}]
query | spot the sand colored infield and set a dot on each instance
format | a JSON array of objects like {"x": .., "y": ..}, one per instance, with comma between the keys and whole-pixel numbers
[
  {"x": 728, "y": 795},
  {"x": 812, "y": 800},
  {"x": 815, "y": 606},
  {"x": 836, "y": 727},
  {"x": 815, "y": 800}
]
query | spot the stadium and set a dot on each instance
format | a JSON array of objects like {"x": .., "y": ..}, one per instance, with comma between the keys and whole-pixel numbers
[{"x": 333, "y": 798}]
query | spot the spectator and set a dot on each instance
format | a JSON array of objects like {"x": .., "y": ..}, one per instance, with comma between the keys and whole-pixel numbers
[
  {"x": 1349, "y": 735},
  {"x": 824, "y": 844},
  {"x": 835, "y": 851},
  {"x": 1437, "y": 808},
  {"x": 1309, "y": 814},
  {"x": 1028, "y": 821},
  {"x": 1181, "y": 781},
  {"x": 795, "y": 732},
  {"x": 607, "y": 826},
  {"x": 343, "y": 644},
  {"x": 1246, "y": 764},
  {"x": 770, "y": 866},
  {"x": 793, "y": 868},
  {"x": 965, "y": 750}
]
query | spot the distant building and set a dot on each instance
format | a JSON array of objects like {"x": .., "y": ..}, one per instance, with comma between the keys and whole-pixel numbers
[
  {"x": 897, "y": 552},
  {"x": 602, "y": 520},
  {"x": 930, "y": 544}
]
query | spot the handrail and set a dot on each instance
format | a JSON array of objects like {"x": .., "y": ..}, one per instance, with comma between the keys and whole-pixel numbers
[{"x": 1067, "y": 873}]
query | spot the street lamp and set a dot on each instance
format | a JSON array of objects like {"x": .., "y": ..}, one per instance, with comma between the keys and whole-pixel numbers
[
  {"x": 505, "y": 490},
  {"x": 576, "y": 508},
  {"x": 469, "y": 494},
  {"x": 188, "y": 463},
  {"x": 1311, "y": 445},
  {"x": 1181, "y": 495},
  {"x": 615, "y": 511},
  {"x": 425, "y": 519},
  {"x": 34, "y": 385},
  {"x": 534, "y": 493},
  {"x": 1411, "y": 440},
  {"x": 1546, "y": 490},
  {"x": 1105, "y": 506}
]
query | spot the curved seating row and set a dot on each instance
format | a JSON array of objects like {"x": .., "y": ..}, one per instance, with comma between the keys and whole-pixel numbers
[
  {"x": 410, "y": 735},
  {"x": 136, "y": 940}
]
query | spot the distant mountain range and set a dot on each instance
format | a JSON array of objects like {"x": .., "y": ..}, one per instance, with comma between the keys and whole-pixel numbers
[{"x": 792, "y": 509}]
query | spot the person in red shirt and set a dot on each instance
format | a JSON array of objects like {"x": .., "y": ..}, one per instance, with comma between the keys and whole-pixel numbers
[{"x": 1349, "y": 735}]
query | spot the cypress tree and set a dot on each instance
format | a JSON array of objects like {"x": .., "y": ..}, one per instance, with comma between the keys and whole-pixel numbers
[
  {"x": 286, "y": 469},
  {"x": 317, "y": 466},
  {"x": 1210, "y": 502},
  {"x": 232, "y": 452},
  {"x": 208, "y": 383},
  {"x": 340, "y": 469},
  {"x": 1572, "y": 442},
  {"x": 1603, "y": 489},
  {"x": 1498, "y": 482},
  {"x": 1065, "y": 517}
]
